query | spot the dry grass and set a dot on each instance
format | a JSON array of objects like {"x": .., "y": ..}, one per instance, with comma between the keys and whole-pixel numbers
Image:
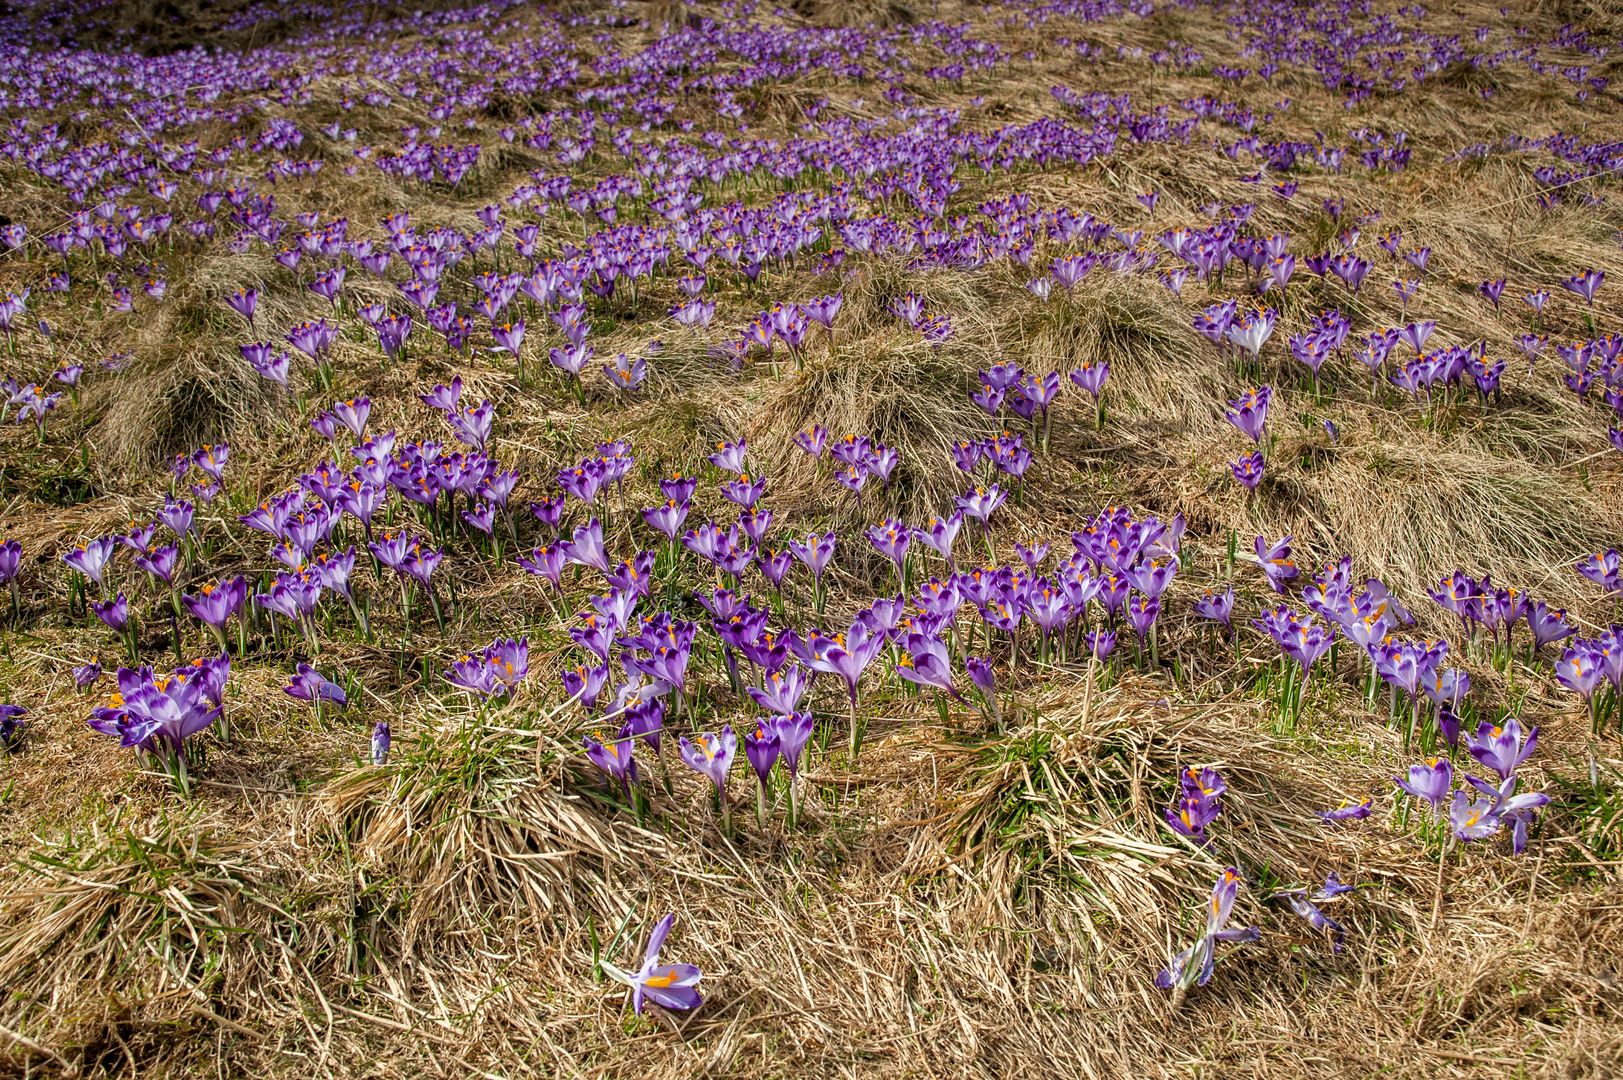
[{"x": 968, "y": 903}]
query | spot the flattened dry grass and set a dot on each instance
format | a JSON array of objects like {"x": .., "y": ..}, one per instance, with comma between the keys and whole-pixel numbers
[{"x": 968, "y": 903}]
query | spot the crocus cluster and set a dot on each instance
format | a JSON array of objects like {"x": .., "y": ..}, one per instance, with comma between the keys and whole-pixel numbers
[
  {"x": 496, "y": 672},
  {"x": 1480, "y": 808},
  {"x": 157, "y": 714}
]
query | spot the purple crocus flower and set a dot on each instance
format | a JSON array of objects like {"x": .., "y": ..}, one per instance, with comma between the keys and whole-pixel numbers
[
  {"x": 1514, "y": 808},
  {"x": 177, "y": 514},
  {"x": 729, "y": 457},
  {"x": 1501, "y": 747},
  {"x": 381, "y": 741},
  {"x": 813, "y": 440},
  {"x": 313, "y": 338},
  {"x": 1604, "y": 568},
  {"x": 115, "y": 613},
  {"x": 850, "y": 657},
  {"x": 670, "y": 986},
  {"x": 243, "y": 302},
  {"x": 11, "y": 562},
  {"x": 496, "y": 671},
  {"x": 158, "y": 713},
  {"x": 586, "y": 547},
  {"x": 212, "y": 458},
  {"x": 927, "y": 663},
  {"x": 891, "y": 539},
  {"x": 1582, "y": 670},
  {"x": 743, "y": 491},
  {"x": 1429, "y": 782},
  {"x": 1307, "y": 642},
  {"x": 981, "y": 675},
  {"x": 214, "y": 604},
  {"x": 1473, "y": 819},
  {"x": 981, "y": 503},
  {"x": 443, "y": 397},
  {"x": 91, "y": 558},
  {"x": 711, "y": 754},
  {"x": 781, "y": 690},
  {"x": 626, "y": 374},
  {"x": 1586, "y": 284},
  {"x": 85, "y": 675},
  {"x": 667, "y": 519},
  {"x": 613, "y": 756},
  {"x": 325, "y": 425},
  {"x": 1198, "y": 803},
  {"x": 310, "y": 685},
  {"x": 1357, "y": 811},
  {"x": 1101, "y": 643},
  {"x": 1153, "y": 577},
  {"x": 1248, "y": 470},
  {"x": 1250, "y": 330},
  {"x": 509, "y": 337},
  {"x": 11, "y": 726},
  {"x": 1249, "y": 413},
  {"x": 761, "y": 751},
  {"x": 644, "y": 718},
  {"x": 822, "y": 310},
  {"x": 352, "y": 414},
  {"x": 1275, "y": 561},
  {"x": 1193, "y": 967},
  {"x": 549, "y": 511},
  {"x": 1218, "y": 607},
  {"x": 815, "y": 553},
  {"x": 1142, "y": 612},
  {"x": 939, "y": 534},
  {"x": 545, "y": 561},
  {"x": 161, "y": 562},
  {"x": 793, "y": 731},
  {"x": 774, "y": 565}
]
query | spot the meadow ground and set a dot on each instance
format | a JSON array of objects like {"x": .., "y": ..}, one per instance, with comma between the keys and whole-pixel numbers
[{"x": 991, "y": 886}]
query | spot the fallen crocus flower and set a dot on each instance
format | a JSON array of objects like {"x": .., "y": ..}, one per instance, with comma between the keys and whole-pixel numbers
[
  {"x": 1193, "y": 967},
  {"x": 310, "y": 685},
  {"x": 1347, "y": 812},
  {"x": 1303, "y": 904},
  {"x": 670, "y": 986}
]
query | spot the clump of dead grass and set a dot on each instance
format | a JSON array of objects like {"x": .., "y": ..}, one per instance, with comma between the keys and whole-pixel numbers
[
  {"x": 476, "y": 813},
  {"x": 112, "y": 936}
]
